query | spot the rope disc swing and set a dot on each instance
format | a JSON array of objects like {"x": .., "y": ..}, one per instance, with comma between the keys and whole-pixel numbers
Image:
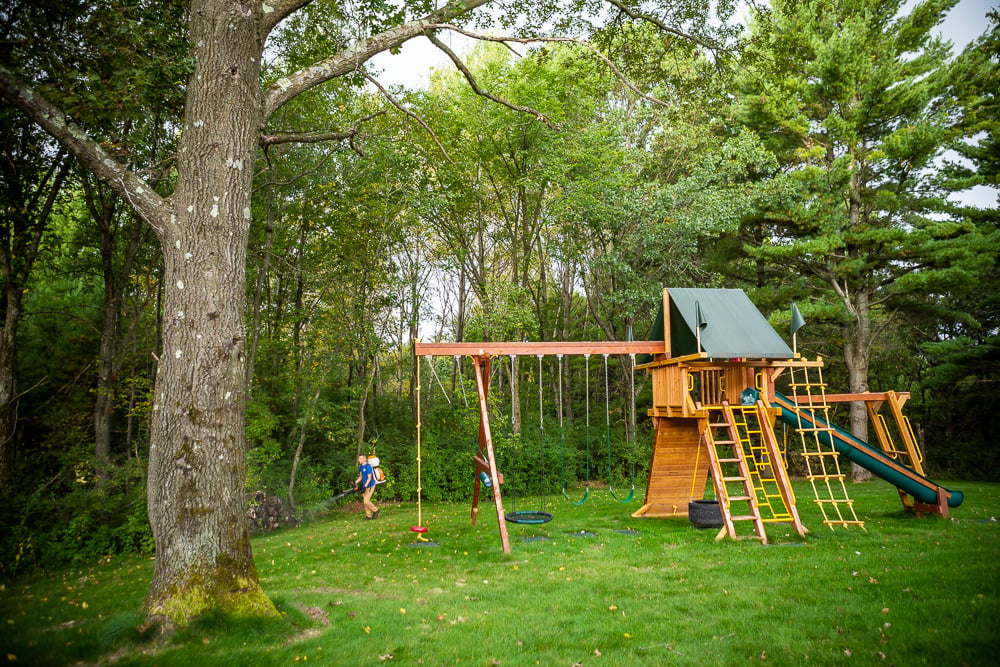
[
  {"x": 562, "y": 435},
  {"x": 607, "y": 431},
  {"x": 420, "y": 528},
  {"x": 533, "y": 516}
]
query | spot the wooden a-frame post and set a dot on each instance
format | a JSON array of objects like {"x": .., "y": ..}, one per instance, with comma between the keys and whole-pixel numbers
[{"x": 481, "y": 364}]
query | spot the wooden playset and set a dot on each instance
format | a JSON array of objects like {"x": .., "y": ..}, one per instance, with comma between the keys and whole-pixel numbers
[{"x": 716, "y": 364}]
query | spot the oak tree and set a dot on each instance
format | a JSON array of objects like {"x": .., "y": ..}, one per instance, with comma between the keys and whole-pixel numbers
[{"x": 197, "y": 458}]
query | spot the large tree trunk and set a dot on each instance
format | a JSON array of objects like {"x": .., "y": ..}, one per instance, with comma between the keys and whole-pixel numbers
[
  {"x": 8, "y": 381},
  {"x": 103, "y": 205},
  {"x": 858, "y": 336},
  {"x": 104, "y": 402},
  {"x": 197, "y": 461},
  {"x": 857, "y": 355}
]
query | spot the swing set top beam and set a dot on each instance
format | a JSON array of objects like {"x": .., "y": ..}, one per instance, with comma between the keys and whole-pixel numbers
[{"x": 538, "y": 348}]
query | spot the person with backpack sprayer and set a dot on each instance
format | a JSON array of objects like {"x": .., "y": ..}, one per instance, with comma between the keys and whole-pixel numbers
[{"x": 366, "y": 481}]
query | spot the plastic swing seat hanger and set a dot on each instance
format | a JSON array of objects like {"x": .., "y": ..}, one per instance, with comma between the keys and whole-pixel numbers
[
  {"x": 562, "y": 433},
  {"x": 607, "y": 431}
]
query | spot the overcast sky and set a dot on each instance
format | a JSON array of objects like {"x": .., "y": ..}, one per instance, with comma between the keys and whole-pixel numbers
[{"x": 412, "y": 66}]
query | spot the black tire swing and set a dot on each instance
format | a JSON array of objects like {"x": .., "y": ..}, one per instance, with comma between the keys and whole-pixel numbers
[{"x": 540, "y": 516}]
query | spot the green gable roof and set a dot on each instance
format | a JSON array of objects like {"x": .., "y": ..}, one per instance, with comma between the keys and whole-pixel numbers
[{"x": 731, "y": 326}]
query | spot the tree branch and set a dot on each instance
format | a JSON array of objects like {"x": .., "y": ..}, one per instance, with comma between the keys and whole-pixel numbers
[
  {"x": 150, "y": 206},
  {"x": 661, "y": 25},
  {"x": 315, "y": 137},
  {"x": 505, "y": 40},
  {"x": 279, "y": 10},
  {"x": 409, "y": 113},
  {"x": 352, "y": 58},
  {"x": 479, "y": 91}
]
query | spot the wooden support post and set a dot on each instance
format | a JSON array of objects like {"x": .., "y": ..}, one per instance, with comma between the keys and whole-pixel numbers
[
  {"x": 896, "y": 402},
  {"x": 482, "y": 366},
  {"x": 942, "y": 498}
]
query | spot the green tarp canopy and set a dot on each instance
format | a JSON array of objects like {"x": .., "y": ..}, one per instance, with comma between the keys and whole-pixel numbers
[{"x": 731, "y": 326}]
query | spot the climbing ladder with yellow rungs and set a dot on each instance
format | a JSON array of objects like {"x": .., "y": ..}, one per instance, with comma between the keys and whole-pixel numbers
[
  {"x": 822, "y": 460},
  {"x": 768, "y": 477},
  {"x": 731, "y": 475}
]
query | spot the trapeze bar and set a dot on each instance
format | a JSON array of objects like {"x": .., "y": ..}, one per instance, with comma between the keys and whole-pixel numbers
[{"x": 544, "y": 348}]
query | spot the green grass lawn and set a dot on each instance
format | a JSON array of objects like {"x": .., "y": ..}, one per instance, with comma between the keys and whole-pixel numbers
[{"x": 905, "y": 591}]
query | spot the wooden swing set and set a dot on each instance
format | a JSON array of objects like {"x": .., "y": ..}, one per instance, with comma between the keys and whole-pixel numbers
[
  {"x": 715, "y": 362},
  {"x": 481, "y": 354}
]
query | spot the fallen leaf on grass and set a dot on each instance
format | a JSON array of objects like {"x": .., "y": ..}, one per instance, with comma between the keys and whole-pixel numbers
[{"x": 387, "y": 656}]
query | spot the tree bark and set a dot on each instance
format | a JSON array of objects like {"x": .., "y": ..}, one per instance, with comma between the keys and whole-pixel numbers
[
  {"x": 857, "y": 355},
  {"x": 103, "y": 206},
  {"x": 858, "y": 337},
  {"x": 197, "y": 466},
  {"x": 8, "y": 381}
]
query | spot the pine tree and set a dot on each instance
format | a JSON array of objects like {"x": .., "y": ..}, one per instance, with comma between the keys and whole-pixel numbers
[{"x": 849, "y": 96}]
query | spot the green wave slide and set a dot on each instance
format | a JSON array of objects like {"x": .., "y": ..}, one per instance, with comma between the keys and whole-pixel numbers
[{"x": 866, "y": 456}]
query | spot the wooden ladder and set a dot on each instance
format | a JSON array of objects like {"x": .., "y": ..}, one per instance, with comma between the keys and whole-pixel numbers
[
  {"x": 731, "y": 474},
  {"x": 768, "y": 474}
]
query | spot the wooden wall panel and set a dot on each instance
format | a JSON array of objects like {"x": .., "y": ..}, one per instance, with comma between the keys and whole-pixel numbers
[{"x": 678, "y": 471}]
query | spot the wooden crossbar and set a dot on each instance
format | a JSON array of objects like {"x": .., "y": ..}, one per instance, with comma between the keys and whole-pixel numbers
[{"x": 538, "y": 348}]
